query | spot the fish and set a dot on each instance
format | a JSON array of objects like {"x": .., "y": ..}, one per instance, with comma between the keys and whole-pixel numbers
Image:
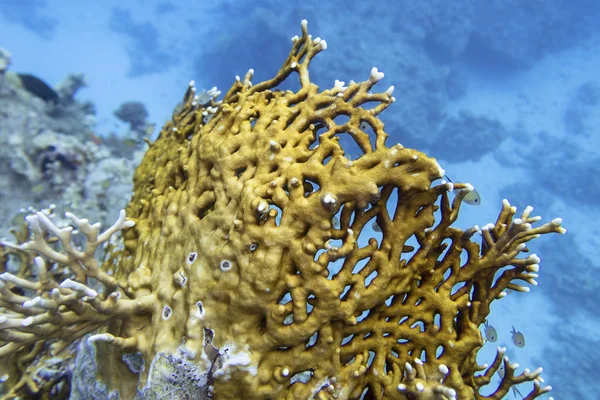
[
  {"x": 38, "y": 87},
  {"x": 518, "y": 338},
  {"x": 105, "y": 184},
  {"x": 470, "y": 197},
  {"x": 515, "y": 391},
  {"x": 501, "y": 375},
  {"x": 150, "y": 129},
  {"x": 96, "y": 139},
  {"x": 336, "y": 223},
  {"x": 364, "y": 126},
  {"x": 501, "y": 370},
  {"x": 376, "y": 226},
  {"x": 39, "y": 188},
  {"x": 130, "y": 143},
  {"x": 491, "y": 335},
  {"x": 353, "y": 156}
]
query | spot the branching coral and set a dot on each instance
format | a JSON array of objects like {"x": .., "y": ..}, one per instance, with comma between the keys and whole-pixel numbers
[
  {"x": 54, "y": 300},
  {"x": 252, "y": 264}
]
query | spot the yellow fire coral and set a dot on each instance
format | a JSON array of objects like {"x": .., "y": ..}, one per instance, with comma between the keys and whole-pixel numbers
[{"x": 246, "y": 274}]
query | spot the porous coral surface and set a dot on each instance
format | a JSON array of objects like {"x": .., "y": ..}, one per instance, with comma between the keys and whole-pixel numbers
[{"x": 235, "y": 219}]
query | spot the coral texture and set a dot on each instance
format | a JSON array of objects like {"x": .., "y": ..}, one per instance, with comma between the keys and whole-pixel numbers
[{"x": 248, "y": 269}]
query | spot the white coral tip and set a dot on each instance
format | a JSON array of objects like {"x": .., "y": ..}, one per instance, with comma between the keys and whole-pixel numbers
[
  {"x": 102, "y": 337},
  {"x": 376, "y": 75},
  {"x": 32, "y": 303},
  {"x": 534, "y": 268},
  {"x": 262, "y": 207},
  {"x": 328, "y": 199},
  {"x": 79, "y": 287},
  {"x": 557, "y": 221},
  {"x": 444, "y": 369},
  {"x": 528, "y": 209}
]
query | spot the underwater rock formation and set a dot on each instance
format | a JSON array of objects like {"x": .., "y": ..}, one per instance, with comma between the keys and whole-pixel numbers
[
  {"x": 247, "y": 267},
  {"x": 50, "y": 151}
]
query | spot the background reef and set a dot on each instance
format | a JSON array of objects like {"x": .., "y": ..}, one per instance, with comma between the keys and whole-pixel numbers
[{"x": 512, "y": 88}]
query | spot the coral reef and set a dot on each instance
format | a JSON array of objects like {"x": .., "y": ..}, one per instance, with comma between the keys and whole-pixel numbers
[
  {"x": 247, "y": 269},
  {"x": 50, "y": 151}
]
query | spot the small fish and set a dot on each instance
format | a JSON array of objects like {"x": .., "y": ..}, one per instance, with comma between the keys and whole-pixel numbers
[
  {"x": 518, "y": 338},
  {"x": 130, "y": 143},
  {"x": 515, "y": 391},
  {"x": 105, "y": 184},
  {"x": 336, "y": 222},
  {"x": 364, "y": 127},
  {"x": 37, "y": 189},
  {"x": 472, "y": 198},
  {"x": 491, "y": 335},
  {"x": 96, "y": 139},
  {"x": 150, "y": 129},
  {"x": 501, "y": 375},
  {"x": 353, "y": 156},
  {"x": 39, "y": 88},
  {"x": 19, "y": 219},
  {"x": 178, "y": 109},
  {"x": 376, "y": 226}
]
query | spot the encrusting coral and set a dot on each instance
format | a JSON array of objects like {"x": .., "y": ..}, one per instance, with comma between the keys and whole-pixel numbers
[{"x": 242, "y": 271}]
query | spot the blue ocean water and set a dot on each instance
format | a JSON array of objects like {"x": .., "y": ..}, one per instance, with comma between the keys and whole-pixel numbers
[{"x": 504, "y": 93}]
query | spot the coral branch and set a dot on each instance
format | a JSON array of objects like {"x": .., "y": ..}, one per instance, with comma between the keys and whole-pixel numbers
[{"x": 38, "y": 307}]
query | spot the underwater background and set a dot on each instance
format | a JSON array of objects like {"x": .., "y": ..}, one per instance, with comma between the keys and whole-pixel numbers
[{"x": 504, "y": 93}]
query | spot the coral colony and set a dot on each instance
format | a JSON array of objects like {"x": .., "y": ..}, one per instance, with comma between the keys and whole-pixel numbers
[{"x": 237, "y": 271}]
